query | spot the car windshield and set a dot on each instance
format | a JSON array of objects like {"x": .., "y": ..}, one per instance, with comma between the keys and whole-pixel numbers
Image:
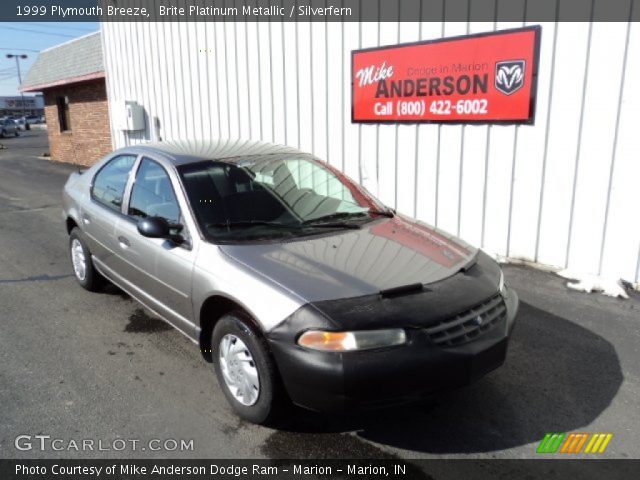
[{"x": 274, "y": 196}]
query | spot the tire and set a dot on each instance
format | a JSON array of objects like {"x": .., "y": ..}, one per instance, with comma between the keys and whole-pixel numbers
[
  {"x": 271, "y": 399},
  {"x": 17, "y": 133},
  {"x": 88, "y": 277},
  {"x": 2, "y": 134}
]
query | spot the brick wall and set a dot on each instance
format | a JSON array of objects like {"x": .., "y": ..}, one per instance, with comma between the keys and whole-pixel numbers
[{"x": 90, "y": 137}]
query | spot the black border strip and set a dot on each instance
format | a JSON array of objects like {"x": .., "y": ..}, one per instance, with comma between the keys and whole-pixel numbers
[
  {"x": 543, "y": 467},
  {"x": 406, "y": 11}
]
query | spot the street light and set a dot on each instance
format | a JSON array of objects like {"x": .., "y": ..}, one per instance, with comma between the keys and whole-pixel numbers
[{"x": 18, "y": 58}]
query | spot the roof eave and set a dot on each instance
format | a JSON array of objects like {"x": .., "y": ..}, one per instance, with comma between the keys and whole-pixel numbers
[{"x": 65, "y": 81}]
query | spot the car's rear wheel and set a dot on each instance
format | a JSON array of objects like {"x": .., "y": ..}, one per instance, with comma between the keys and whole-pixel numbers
[
  {"x": 17, "y": 133},
  {"x": 85, "y": 273},
  {"x": 245, "y": 369}
]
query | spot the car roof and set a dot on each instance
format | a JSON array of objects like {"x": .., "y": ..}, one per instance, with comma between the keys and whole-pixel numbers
[{"x": 182, "y": 152}]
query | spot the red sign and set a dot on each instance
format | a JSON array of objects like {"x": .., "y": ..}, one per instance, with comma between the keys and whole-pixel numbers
[{"x": 484, "y": 78}]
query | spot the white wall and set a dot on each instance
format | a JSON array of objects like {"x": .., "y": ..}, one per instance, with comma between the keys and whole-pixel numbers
[{"x": 559, "y": 193}]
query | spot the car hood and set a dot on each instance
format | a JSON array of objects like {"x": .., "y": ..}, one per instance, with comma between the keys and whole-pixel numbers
[{"x": 384, "y": 254}]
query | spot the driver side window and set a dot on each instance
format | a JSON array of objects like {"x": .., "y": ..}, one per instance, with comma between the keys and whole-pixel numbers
[{"x": 152, "y": 194}]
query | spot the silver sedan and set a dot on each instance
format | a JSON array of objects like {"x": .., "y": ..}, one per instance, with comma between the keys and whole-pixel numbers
[{"x": 294, "y": 281}]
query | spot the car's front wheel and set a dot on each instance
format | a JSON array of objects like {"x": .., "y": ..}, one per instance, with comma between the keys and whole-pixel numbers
[
  {"x": 86, "y": 274},
  {"x": 17, "y": 133},
  {"x": 245, "y": 369}
]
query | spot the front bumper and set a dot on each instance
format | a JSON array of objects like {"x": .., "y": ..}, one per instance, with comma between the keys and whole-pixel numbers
[{"x": 329, "y": 381}]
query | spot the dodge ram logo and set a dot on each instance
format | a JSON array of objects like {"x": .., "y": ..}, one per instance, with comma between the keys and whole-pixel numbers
[{"x": 510, "y": 76}]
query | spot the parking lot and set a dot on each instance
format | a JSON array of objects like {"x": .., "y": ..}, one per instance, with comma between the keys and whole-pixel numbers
[{"x": 78, "y": 365}]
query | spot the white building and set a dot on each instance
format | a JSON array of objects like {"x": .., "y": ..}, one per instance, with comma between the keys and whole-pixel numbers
[{"x": 561, "y": 193}]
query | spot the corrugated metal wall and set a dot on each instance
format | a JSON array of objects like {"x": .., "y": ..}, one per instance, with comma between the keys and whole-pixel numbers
[{"x": 561, "y": 193}]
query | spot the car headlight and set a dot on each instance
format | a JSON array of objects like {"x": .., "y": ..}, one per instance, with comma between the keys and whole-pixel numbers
[
  {"x": 501, "y": 282},
  {"x": 350, "y": 341}
]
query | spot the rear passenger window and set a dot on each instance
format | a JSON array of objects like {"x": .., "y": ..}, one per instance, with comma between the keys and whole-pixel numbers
[
  {"x": 152, "y": 194},
  {"x": 111, "y": 180}
]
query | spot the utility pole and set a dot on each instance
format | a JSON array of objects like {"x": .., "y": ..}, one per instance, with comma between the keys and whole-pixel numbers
[{"x": 18, "y": 58}]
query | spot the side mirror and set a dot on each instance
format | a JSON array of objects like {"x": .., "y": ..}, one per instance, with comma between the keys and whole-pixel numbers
[
  {"x": 158, "y": 227},
  {"x": 154, "y": 227}
]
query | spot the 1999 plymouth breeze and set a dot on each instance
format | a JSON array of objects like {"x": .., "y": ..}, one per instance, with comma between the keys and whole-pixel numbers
[{"x": 297, "y": 284}]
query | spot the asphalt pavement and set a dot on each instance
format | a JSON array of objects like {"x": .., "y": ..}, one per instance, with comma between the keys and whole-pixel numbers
[{"x": 79, "y": 365}]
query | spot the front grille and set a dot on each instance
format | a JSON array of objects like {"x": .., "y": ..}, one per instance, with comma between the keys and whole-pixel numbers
[{"x": 470, "y": 324}]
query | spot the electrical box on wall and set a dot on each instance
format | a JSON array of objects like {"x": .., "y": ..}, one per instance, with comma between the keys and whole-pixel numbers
[{"x": 131, "y": 116}]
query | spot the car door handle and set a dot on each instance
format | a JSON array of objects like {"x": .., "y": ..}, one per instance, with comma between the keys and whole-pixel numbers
[{"x": 124, "y": 242}]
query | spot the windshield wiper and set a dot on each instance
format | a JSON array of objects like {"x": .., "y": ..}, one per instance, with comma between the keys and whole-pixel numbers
[
  {"x": 385, "y": 213},
  {"x": 252, "y": 223},
  {"x": 321, "y": 221},
  {"x": 351, "y": 226},
  {"x": 332, "y": 216},
  {"x": 249, "y": 223}
]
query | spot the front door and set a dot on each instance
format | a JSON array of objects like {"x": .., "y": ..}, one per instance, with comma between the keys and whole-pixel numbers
[{"x": 159, "y": 270}]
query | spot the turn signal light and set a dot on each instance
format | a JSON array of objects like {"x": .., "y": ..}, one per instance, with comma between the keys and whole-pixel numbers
[{"x": 350, "y": 341}]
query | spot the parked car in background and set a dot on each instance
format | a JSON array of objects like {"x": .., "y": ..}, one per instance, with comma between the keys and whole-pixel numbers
[
  {"x": 21, "y": 123},
  {"x": 294, "y": 280},
  {"x": 43, "y": 119},
  {"x": 31, "y": 119},
  {"x": 9, "y": 127}
]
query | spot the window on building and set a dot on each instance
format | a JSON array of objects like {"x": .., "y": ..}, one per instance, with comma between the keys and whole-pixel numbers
[{"x": 63, "y": 114}]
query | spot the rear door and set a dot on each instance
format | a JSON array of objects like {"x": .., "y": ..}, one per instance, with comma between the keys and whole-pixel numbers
[{"x": 100, "y": 215}]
